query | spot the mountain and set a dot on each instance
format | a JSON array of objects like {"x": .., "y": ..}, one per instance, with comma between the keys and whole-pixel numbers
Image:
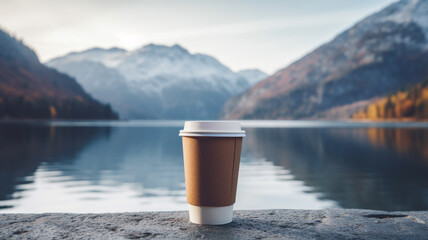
[
  {"x": 156, "y": 81},
  {"x": 252, "y": 75},
  {"x": 380, "y": 54},
  {"x": 28, "y": 89}
]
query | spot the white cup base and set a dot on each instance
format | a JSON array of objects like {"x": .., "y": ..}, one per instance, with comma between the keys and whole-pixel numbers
[{"x": 210, "y": 215}]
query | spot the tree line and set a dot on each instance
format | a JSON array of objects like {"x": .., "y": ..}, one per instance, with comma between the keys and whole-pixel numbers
[
  {"x": 23, "y": 107},
  {"x": 404, "y": 104}
]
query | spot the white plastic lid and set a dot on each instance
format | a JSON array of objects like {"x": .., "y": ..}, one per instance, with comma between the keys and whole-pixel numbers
[{"x": 212, "y": 129}]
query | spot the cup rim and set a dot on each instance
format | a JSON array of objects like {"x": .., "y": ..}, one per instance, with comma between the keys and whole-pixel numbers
[
  {"x": 212, "y": 128},
  {"x": 212, "y": 134}
]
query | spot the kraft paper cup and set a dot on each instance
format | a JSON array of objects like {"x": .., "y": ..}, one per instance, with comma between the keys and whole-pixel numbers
[{"x": 212, "y": 152}]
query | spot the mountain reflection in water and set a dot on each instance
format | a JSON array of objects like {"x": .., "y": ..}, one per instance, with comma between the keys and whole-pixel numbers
[
  {"x": 138, "y": 166},
  {"x": 375, "y": 168}
]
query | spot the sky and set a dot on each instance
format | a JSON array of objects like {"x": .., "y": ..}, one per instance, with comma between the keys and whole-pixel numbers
[{"x": 242, "y": 34}]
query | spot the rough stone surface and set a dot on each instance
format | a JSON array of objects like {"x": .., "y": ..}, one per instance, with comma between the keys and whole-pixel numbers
[{"x": 271, "y": 224}]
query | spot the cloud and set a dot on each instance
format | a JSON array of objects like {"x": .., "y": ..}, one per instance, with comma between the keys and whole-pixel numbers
[{"x": 227, "y": 30}]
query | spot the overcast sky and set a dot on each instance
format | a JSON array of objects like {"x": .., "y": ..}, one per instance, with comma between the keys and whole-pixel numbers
[{"x": 264, "y": 34}]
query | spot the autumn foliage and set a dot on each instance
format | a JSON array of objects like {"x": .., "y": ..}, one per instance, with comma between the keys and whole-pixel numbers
[
  {"x": 409, "y": 104},
  {"x": 30, "y": 90}
]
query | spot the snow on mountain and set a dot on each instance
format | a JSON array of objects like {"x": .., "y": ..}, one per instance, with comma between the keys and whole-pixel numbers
[
  {"x": 154, "y": 60},
  {"x": 105, "y": 84},
  {"x": 163, "y": 81},
  {"x": 167, "y": 66},
  {"x": 406, "y": 12},
  {"x": 400, "y": 13},
  {"x": 253, "y": 76},
  {"x": 382, "y": 53},
  {"x": 109, "y": 57}
]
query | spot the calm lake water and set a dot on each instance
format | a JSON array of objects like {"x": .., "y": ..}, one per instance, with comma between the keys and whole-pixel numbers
[{"x": 138, "y": 166}]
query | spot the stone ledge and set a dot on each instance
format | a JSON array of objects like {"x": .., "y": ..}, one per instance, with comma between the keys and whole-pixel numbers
[{"x": 271, "y": 224}]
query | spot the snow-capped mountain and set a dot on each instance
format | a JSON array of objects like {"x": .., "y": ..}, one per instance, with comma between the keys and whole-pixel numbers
[
  {"x": 382, "y": 53},
  {"x": 156, "y": 81}
]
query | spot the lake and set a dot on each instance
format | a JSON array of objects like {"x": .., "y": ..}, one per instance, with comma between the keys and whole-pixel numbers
[{"x": 137, "y": 166}]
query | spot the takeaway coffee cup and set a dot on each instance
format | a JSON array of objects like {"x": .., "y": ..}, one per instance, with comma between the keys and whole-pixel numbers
[{"x": 211, "y": 151}]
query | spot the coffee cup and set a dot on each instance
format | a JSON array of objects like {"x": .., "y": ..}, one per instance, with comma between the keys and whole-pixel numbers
[{"x": 211, "y": 152}]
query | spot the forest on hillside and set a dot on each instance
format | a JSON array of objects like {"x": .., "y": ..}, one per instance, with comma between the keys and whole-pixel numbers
[
  {"x": 49, "y": 108},
  {"x": 409, "y": 104}
]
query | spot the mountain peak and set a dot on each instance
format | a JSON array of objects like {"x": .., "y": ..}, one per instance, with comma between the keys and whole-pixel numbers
[
  {"x": 179, "y": 48},
  {"x": 116, "y": 49},
  {"x": 252, "y": 75},
  {"x": 252, "y": 70},
  {"x": 401, "y": 11},
  {"x": 14, "y": 49},
  {"x": 158, "y": 80},
  {"x": 405, "y": 11},
  {"x": 98, "y": 49},
  {"x": 383, "y": 52},
  {"x": 158, "y": 48}
]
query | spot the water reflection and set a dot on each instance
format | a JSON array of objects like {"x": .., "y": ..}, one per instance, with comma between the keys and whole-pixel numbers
[
  {"x": 90, "y": 169},
  {"x": 405, "y": 141},
  {"x": 134, "y": 167},
  {"x": 359, "y": 168},
  {"x": 23, "y": 148}
]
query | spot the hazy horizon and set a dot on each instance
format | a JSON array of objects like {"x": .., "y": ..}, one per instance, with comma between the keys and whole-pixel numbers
[{"x": 242, "y": 34}]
